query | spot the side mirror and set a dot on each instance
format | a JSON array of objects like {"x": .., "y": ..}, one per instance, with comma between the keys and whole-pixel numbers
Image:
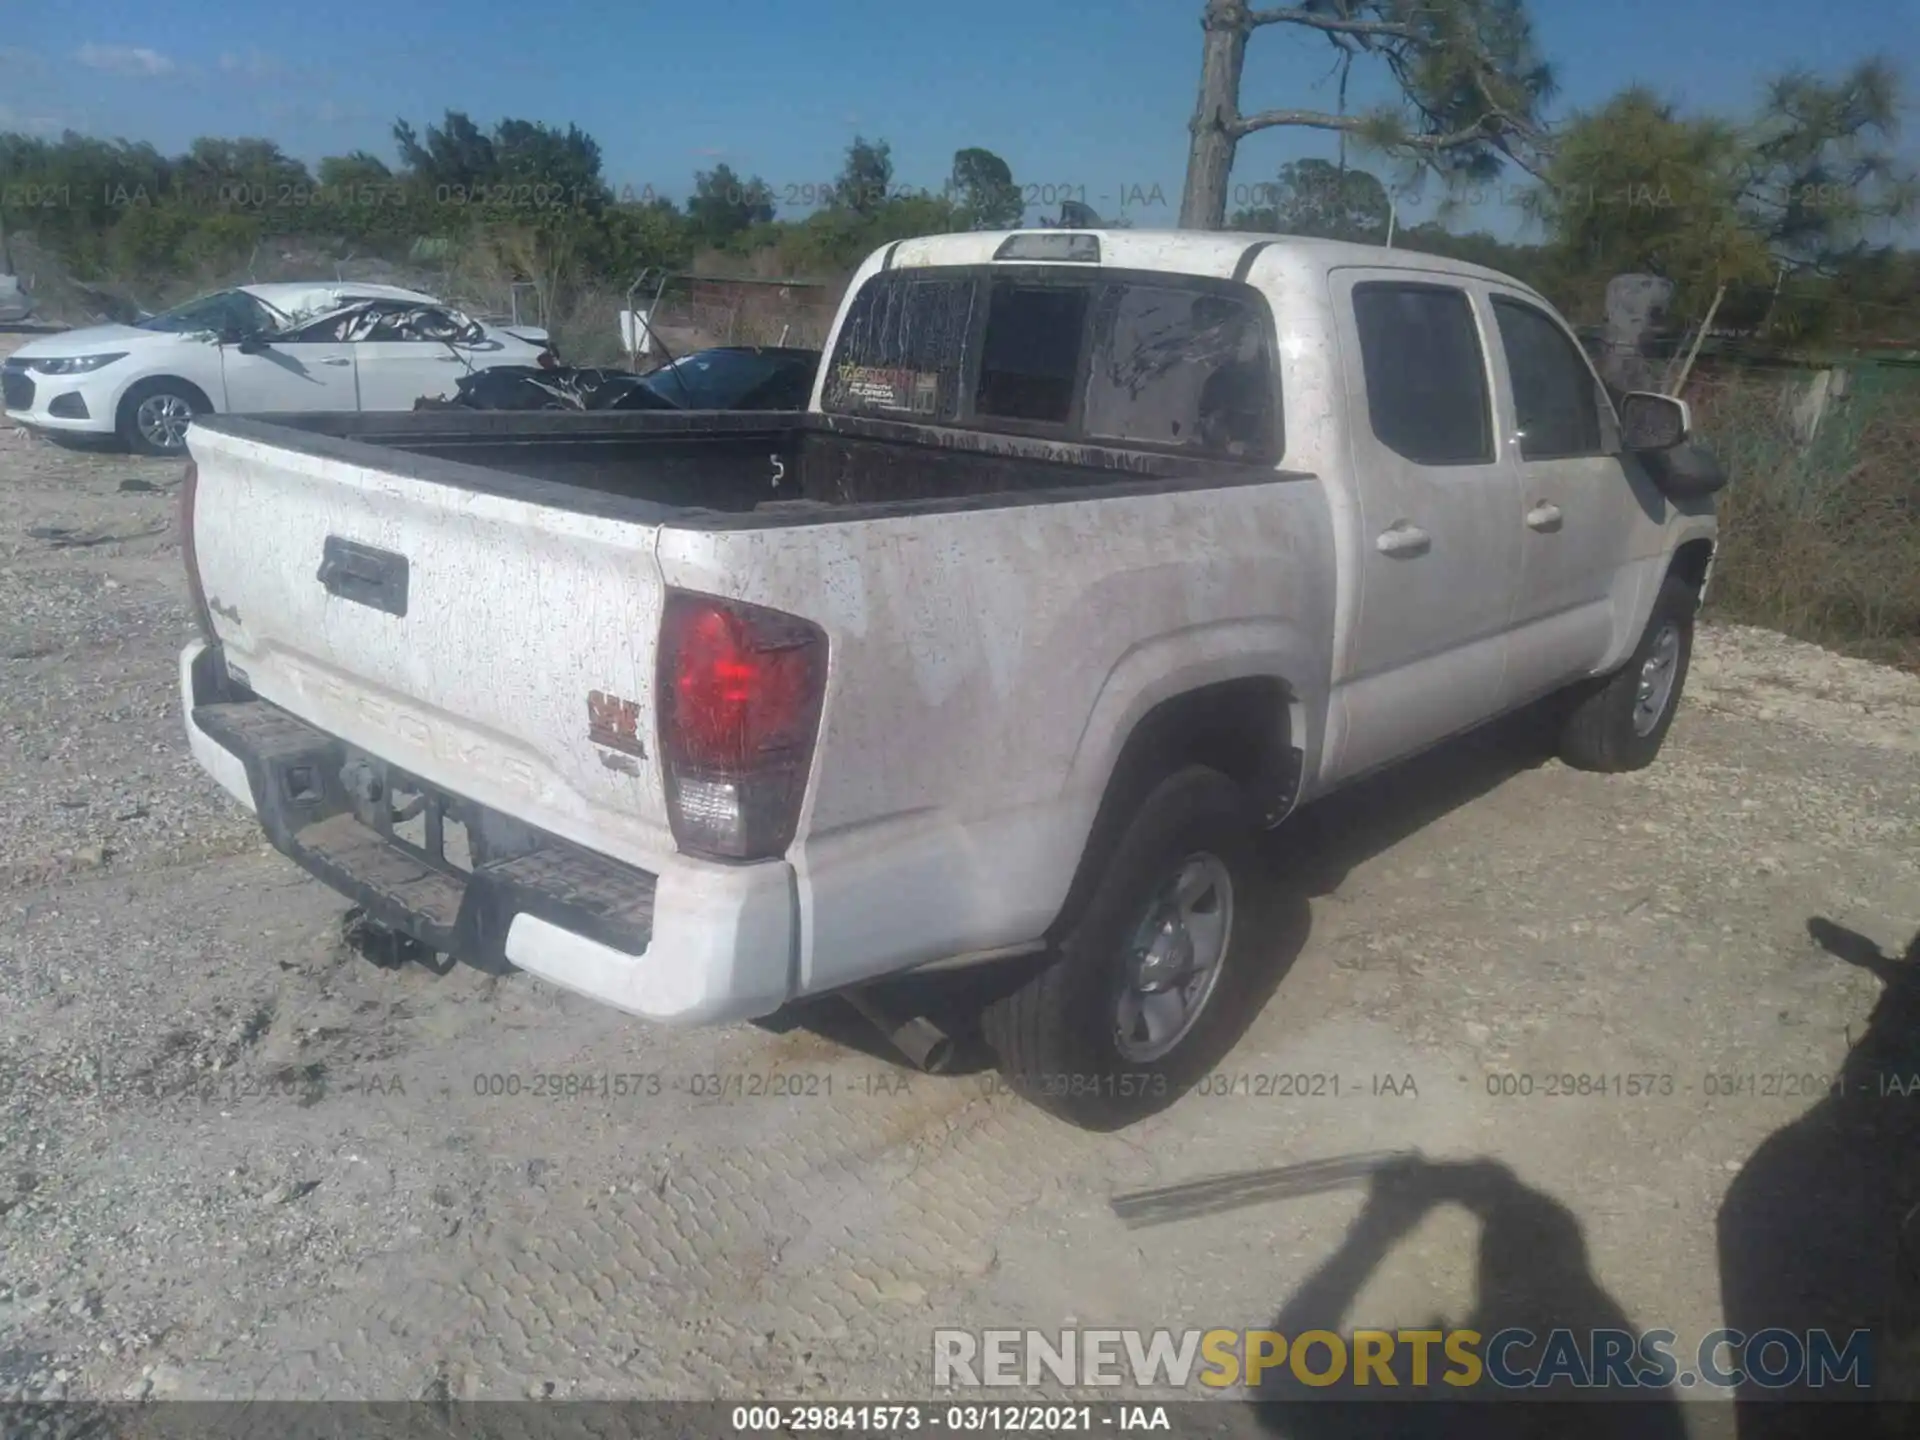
[
  {"x": 251, "y": 345},
  {"x": 1654, "y": 422}
]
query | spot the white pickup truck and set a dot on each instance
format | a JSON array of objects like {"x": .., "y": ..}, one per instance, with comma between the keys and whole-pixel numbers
[{"x": 1094, "y": 553}]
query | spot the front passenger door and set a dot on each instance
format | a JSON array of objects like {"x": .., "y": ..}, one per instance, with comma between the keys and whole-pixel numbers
[
  {"x": 1582, "y": 516},
  {"x": 1437, "y": 554},
  {"x": 288, "y": 373}
]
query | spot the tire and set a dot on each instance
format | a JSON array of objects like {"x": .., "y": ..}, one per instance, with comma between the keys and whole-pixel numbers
[
  {"x": 1608, "y": 728},
  {"x": 1058, "y": 1036},
  {"x": 137, "y": 420}
]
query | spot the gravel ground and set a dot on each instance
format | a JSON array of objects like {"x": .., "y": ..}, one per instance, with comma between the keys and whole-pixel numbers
[{"x": 238, "y": 1160}]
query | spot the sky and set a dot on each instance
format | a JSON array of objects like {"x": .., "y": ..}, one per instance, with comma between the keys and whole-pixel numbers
[{"x": 1084, "y": 101}]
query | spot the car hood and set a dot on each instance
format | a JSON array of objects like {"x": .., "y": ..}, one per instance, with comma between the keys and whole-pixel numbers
[{"x": 93, "y": 339}]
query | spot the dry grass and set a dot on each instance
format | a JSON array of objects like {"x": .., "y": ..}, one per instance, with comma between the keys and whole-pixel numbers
[{"x": 1821, "y": 540}]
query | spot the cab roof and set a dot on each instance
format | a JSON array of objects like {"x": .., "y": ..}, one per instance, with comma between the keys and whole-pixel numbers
[{"x": 1185, "y": 252}]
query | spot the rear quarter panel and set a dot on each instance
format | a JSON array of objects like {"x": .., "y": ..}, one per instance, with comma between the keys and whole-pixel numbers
[{"x": 985, "y": 668}]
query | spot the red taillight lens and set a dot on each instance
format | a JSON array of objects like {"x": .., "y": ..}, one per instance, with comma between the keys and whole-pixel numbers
[
  {"x": 196, "y": 592},
  {"x": 549, "y": 359},
  {"x": 739, "y": 705}
]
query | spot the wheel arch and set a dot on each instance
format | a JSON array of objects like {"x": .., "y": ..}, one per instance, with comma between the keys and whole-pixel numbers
[
  {"x": 1693, "y": 562},
  {"x": 148, "y": 383},
  {"x": 1249, "y": 726}
]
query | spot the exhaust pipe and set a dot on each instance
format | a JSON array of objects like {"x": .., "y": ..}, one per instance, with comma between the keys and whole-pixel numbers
[{"x": 925, "y": 1044}]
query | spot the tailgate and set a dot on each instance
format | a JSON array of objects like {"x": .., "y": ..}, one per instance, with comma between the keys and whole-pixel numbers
[{"x": 499, "y": 648}]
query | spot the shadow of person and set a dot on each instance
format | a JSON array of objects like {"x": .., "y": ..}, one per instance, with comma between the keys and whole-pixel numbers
[
  {"x": 1533, "y": 1275},
  {"x": 1820, "y": 1230}
]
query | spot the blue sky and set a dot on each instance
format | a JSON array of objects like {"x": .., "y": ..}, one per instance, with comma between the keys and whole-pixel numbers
[{"x": 1094, "y": 97}]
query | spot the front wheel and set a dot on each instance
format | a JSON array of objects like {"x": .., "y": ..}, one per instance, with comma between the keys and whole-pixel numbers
[
  {"x": 154, "y": 417},
  {"x": 1620, "y": 722},
  {"x": 1152, "y": 982}
]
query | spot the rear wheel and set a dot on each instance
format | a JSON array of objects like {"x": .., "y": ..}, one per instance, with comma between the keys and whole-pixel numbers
[
  {"x": 1150, "y": 984},
  {"x": 155, "y": 414}
]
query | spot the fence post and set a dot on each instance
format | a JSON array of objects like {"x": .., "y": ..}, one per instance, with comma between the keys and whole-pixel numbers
[{"x": 1699, "y": 335}]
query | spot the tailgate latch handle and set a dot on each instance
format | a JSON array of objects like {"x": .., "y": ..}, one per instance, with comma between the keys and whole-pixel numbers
[{"x": 364, "y": 575}]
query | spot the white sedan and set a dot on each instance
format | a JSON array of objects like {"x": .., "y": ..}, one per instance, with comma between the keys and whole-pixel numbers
[{"x": 251, "y": 350}]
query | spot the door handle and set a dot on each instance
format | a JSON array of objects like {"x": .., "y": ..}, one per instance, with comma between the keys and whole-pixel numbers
[
  {"x": 337, "y": 360},
  {"x": 363, "y": 574},
  {"x": 1403, "y": 539},
  {"x": 1543, "y": 517}
]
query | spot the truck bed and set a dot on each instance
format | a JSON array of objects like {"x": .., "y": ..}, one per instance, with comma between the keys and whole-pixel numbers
[
  {"x": 728, "y": 470},
  {"x": 478, "y": 602}
]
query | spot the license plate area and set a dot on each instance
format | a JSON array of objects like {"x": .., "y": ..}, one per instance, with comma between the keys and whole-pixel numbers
[
  {"x": 428, "y": 824},
  {"x": 452, "y": 835},
  {"x": 367, "y": 829}
]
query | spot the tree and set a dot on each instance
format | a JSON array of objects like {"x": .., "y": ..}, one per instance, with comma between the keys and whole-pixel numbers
[
  {"x": 530, "y": 163},
  {"x": 1635, "y": 187},
  {"x": 1316, "y": 197},
  {"x": 866, "y": 179},
  {"x": 1470, "y": 81},
  {"x": 455, "y": 153},
  {"x": 723, "y": 205},
  {"x": 1781, "y": 208},
  {"x": 1821, "y": 169},
  {"x": 71, "y": 192},
  {"x": 644, "y": 234},
  {"x": 350, "y": 172},
  {"x": 982, "y": 189},
  {"x": 529, "y": 195},
  {"x": 147, "y": 241},
  {"x": 248, "y": 177},
  {"x": 550, "y": 164},
  {"x": 364, "y": 203},
  {"x": 1526, "y": 263}
]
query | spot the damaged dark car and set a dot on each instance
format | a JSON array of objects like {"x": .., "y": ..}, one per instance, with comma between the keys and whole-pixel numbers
[{"x": 728, "y": 377}]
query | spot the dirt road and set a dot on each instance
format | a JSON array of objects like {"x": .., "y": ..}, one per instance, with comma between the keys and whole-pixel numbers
[{"x": 236, "y": 1159}]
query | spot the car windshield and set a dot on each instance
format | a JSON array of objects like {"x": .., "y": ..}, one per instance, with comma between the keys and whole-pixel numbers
[
  {"x": 224, "y": 312},
  {"x": 715, "y": 379}
]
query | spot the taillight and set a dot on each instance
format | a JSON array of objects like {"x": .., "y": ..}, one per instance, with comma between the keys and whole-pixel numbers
[
  {"x": 196, "y": 592},
  {"x": 739, "y": 707},
  {"x": 549, "y": 359}
]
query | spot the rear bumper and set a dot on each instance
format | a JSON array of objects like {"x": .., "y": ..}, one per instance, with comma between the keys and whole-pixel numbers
[{"x": 694, "y": 943}]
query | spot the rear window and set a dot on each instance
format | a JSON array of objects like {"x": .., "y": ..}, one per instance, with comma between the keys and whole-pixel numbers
[
  {"x": 901, "y": 349},
  {"x": 1108, "y": 356},
  {"x": 1426, "y": 378},
  {"x": 1183, "y": 368},
  {"x": 1030, "y": 356}
]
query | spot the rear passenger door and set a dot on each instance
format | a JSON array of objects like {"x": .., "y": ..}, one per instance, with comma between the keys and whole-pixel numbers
[
  {"x": 405, "y": 352},
  {"x": 1439, "y": 551},
  {"x": 1582, "y": 516}
]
